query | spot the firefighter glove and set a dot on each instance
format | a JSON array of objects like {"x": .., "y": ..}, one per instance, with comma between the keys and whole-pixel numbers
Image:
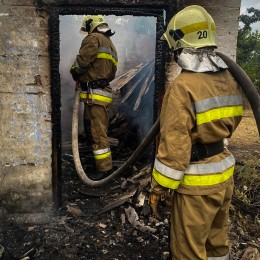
[
  {"x": 75, "y": 72},
  {"x": 157, "y": 194}
]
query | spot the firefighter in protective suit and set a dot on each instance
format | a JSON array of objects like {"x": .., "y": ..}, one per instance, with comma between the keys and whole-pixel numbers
[
  {"x": 94, "y": 68},
  {"x": 201, "y": 107}
]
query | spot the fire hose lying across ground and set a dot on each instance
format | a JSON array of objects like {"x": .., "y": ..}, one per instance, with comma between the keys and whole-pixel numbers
[{"x": 237, "y": 72}]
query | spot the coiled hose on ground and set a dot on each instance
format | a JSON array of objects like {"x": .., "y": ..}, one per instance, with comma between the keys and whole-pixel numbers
[{"x": 237, "y": 72}]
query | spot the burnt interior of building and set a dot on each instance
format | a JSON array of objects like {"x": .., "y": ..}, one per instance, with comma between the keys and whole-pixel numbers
[{"x": 137, "y": 88}]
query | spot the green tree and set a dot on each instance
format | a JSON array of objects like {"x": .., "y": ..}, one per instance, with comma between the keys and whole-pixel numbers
[{"x": 248, "y": 46}]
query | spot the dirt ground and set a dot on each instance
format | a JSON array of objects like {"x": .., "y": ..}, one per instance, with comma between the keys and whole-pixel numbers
[
  {"x": 77, "y": 230},
  {"x": 245, "y": 142}
]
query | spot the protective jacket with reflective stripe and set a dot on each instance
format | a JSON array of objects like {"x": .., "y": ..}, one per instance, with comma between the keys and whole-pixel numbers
[
  {"x": 97, "y": 96},
  {"x": 97, "y": 58},
  {"x": 197, "y": 107},
  {"x": 97, "y": 61}
]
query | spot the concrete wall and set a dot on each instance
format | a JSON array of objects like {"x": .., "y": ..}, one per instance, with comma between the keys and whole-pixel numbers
[
  {"x": 25, "y": 108},
  {"x": 25, "y": 99}
]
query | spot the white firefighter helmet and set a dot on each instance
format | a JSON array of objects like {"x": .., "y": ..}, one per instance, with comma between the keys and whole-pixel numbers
[
  {"x": 191, "y": 27},
  {"x": 90, "y": 22}
]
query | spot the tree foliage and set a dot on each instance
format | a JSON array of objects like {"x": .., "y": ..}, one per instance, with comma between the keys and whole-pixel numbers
[{"x": 248, "y": 46}]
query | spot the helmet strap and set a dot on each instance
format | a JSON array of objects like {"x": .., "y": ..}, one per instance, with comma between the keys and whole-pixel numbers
[
  {"x": 109, "y": 33},
  {"x": 88, "y": 23}
]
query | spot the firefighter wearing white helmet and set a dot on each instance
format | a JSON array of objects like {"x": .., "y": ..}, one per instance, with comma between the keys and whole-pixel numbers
[
  {"x": 94, "y": 68},
  {"x": 202, "y": 106}
]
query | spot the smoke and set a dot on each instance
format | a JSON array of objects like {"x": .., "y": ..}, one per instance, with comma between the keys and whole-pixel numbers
[{"x": 135, "y": 43}]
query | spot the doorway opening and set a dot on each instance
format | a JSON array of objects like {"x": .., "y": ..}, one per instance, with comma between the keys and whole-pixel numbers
[{"x": 136, "y": 89}]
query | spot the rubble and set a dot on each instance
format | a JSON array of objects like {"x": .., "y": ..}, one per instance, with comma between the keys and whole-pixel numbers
[
  {"x": 112, "y": 222},
  {"x": 133, "y": 219}
]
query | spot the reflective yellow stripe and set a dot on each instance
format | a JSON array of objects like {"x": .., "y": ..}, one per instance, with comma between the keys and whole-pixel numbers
[
  {"x": 100, "y": 98},
  {"x": 197, "y": 27},
  {"x": 210, "y": 168},
  {"x": 207, "y": 180},
  {"x": 194, "y": 180},
  {"x": 102, "y": 156},
  {"x": 167, "y": 171},
  {"x": 108, "y": 56},
  {"x": 95, "y": 97},
  {"x": 164, "y": 181},
  {"x": 83, "y": 95},
  {"x": 218, "y": 113}
]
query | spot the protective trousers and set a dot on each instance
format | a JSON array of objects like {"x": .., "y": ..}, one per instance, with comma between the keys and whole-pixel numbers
[
  {"x": 199, "y": 226},
  {"x": 98, "y": 117}
]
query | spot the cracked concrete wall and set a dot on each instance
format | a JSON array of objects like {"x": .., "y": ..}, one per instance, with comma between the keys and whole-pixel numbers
[
  {"x": 25, "y": 87},
  {"x": 25, "y": 109}
]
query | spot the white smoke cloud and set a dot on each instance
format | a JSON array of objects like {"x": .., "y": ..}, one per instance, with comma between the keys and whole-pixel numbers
[{"x": 134, "y": 40}]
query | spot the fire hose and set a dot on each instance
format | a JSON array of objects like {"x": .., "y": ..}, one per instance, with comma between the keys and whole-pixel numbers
[
  {"x": 237, "y": 72},
  {"x": 246, "y": 85},
  {"x": 124, "y": 168}
]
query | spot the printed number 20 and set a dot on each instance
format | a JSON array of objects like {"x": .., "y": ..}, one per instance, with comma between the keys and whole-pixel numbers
[{"x": 202, "y": 34}]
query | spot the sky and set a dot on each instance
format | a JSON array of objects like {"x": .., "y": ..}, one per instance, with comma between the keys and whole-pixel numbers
[{"x": 247, "y": 4}]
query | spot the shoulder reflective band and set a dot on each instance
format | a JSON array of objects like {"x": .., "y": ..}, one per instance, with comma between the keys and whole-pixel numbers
[
  {"x": 218, "y": 113},
  {"x": 102, "y": 154},
  {"x": 217, "y": 108},
  {"x": 105, "y": 53},
  {"x": 179, "y": 33},
  {"x": 215, "y": 102}
]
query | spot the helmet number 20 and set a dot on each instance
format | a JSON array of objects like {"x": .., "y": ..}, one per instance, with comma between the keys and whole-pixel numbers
[{"x": 202, "y": 34}]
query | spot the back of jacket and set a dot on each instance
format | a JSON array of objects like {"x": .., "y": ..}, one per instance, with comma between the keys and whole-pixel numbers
[
  {"x": 97, "y": 58},
  {"x": 197, "y": 107}
]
